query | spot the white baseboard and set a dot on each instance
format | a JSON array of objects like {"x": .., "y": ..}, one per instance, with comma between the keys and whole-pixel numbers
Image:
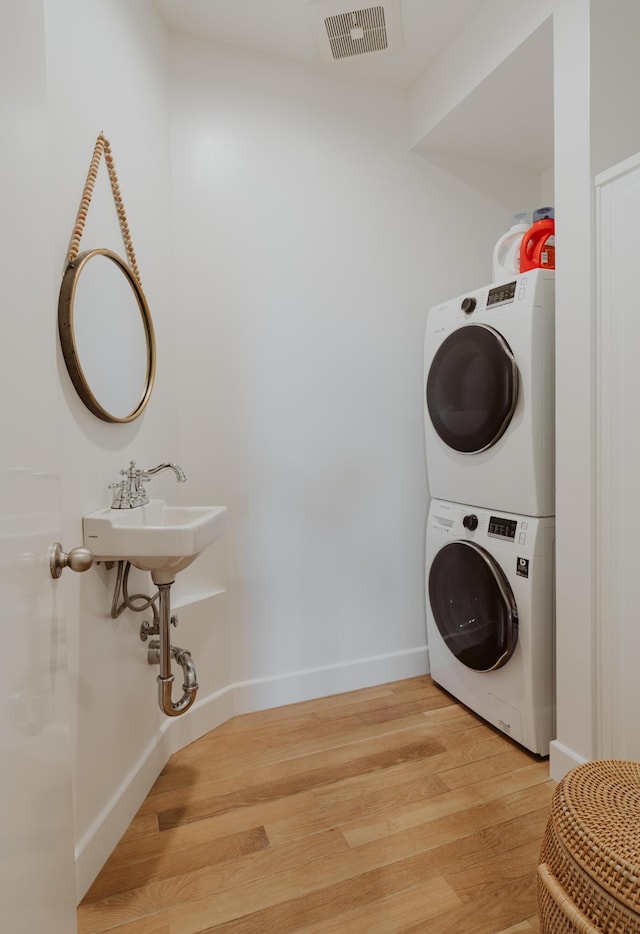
[
  {"x": 296, "y": 686},
  {"x": 562, "y": 760},
  {"x": 100, "y": 839},
  {"x": 93, "y": 849}
]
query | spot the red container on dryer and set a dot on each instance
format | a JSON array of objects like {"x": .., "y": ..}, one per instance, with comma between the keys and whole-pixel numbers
[{"x": 538, "y": 248}]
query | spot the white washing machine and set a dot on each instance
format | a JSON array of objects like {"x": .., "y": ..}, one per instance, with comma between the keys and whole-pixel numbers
[
  {"x": 489, "y": 396},
  {"x": 490, "y": 616}
]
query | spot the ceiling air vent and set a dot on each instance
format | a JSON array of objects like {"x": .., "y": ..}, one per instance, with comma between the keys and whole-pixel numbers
[
  {"x": 342, "y": 32},
  {"x": 357, "y": 32}
]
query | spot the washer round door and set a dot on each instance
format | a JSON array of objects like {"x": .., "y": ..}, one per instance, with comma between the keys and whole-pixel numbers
[
  {"x": 473, "y": 606},
  {"x": 472, "y": 388}
]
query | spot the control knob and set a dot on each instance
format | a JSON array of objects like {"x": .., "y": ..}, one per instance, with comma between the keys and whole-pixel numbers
[
  {"x": 470, "y": 522},
  {"x": 468, "y": 305}
]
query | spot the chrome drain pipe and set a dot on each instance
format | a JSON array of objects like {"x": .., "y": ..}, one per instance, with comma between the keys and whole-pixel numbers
[{"x": 160, "y": 653}]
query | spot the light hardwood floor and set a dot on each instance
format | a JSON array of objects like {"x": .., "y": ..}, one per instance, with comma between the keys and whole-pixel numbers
[{"x": 384, "y": 810}]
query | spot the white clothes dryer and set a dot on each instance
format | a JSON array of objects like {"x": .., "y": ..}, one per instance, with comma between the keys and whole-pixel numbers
[
  {"x": 489, "y": 396},
  {"x": 490, "y": 616}
]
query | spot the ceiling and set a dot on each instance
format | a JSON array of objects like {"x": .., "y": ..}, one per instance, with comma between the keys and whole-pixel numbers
[
  {"x": 287, "y": 29},
  {"x": 503, "y": 122}
]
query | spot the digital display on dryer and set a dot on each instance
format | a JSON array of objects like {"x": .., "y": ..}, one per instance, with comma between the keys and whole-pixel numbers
[
  {"x": 501, "y": 293},
  {"x": 502, "y": 528}
]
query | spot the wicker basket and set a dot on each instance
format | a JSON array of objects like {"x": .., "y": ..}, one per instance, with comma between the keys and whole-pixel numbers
[{"x": 589, "y": 873}]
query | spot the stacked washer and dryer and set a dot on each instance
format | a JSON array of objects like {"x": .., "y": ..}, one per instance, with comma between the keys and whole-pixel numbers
[{"x": 490, "y": 540}]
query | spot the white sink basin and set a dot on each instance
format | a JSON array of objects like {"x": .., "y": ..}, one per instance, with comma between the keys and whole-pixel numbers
[{"x": 155, "y": 537}]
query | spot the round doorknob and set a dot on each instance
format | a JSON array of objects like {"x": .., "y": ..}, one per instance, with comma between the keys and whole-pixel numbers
[{"x": 78, "y": 559}]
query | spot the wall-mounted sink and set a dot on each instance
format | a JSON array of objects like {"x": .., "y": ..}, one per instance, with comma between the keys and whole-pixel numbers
[{"x": 157, "y": 538}]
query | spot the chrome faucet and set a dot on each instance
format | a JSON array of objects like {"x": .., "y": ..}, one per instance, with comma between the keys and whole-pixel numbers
[{"x": 130, "y": 492}]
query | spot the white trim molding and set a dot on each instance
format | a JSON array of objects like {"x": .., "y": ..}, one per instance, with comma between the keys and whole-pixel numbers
[
  {"x": 562, "y": 760},
  {"x": 618, "y": 452}
]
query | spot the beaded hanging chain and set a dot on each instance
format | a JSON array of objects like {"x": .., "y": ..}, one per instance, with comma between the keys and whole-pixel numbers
[{"x": 102, "y": 147}]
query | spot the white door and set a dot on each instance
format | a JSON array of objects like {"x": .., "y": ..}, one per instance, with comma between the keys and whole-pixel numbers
[
  {"x": 36, "y": 852},
  {"x": 618, "y": 444}
]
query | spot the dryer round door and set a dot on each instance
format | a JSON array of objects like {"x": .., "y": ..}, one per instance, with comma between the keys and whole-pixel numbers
[
  {"x": 473, "y": 606},
  {"x": 472, "y": 388}
]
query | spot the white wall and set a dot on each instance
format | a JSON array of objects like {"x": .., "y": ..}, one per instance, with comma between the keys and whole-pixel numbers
[
  {"x": 597, "y": 71},
  {"x": 574, "y": 391},
  {"x": 615, "y": 74},
  {"x": 310, "y": 244},
  {"x": 36, "y": 857},
  {"x": 483, "y": 110},
  {"x": 615, "y": 69},
  {"x": 488, "y": 38},
  {"x": 106, "y": 70}
]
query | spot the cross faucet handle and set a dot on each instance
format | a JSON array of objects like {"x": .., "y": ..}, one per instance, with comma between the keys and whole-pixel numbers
[{"x": 131, "y": 491}]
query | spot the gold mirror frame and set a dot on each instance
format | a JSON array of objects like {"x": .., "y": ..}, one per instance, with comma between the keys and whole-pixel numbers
[{"x": 68, "y": 342}]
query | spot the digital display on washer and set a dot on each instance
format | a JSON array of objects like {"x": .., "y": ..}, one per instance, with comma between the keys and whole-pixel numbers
[
  {"x": 501, "y": 293},
  {"x": 503, "y": 528}
]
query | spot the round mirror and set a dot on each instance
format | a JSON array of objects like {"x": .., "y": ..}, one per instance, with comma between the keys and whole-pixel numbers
[{"x": 106, "y": 335}]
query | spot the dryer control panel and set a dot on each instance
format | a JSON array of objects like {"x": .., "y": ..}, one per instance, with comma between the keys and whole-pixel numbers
[{"x": 500, "y": 294}]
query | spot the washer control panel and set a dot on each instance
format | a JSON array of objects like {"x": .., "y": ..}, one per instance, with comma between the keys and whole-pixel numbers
[{"x": 502, "y": 528}]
